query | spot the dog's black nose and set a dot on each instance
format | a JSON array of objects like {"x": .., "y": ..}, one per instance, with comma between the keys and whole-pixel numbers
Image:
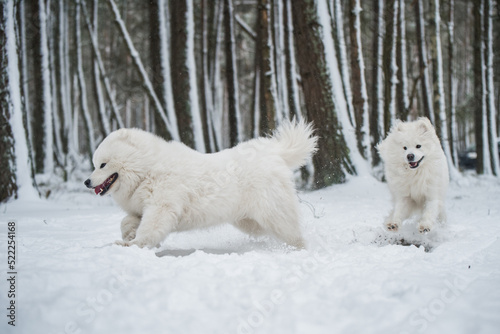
[
  {"x": 410, "y": 157},
  {"x": 87, "y": 183}
]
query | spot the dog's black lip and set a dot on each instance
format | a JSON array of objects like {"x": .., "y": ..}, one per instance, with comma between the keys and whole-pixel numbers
[
  {"x": 418, "y": 163},
  {"x": 113, "y": 178}
]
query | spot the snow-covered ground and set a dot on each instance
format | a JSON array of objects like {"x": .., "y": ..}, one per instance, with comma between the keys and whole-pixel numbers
[{"x": 353, "y": 278}]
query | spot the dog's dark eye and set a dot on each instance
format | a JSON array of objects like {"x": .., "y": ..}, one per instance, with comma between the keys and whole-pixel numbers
[
  {"x": 103, "y": 165},
  {"x": 419, "y": 146},
  {"x": 405, "y": 148}
]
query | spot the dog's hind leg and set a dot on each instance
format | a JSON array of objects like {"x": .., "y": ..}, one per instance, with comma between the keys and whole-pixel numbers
[
  {"x": 287, "y": 229},
  {"x": 129, "y": 227},
  {"x": 282, "y": 219},
  {"x": 249, "y": 226}
]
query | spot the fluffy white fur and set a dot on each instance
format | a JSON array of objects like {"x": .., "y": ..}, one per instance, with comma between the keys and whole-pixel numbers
[
  {"x": 166, "y": 186},
  {"x": 416, "y": 172}
]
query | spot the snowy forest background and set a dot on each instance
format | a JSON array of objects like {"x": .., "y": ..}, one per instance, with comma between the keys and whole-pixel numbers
[{"x": 212, "y": 73}]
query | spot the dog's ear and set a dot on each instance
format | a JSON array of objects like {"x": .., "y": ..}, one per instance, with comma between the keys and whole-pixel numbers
[
  {"x": 397, "y": 126},
  {"x": 424, "y": 125}
]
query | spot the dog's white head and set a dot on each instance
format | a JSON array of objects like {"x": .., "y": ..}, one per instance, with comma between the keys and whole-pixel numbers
[
  {"x": 117, "y": 162},
  {"x": 410, "y": 143}
]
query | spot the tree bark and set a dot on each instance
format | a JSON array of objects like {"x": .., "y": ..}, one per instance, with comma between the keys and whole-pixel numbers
[
  {"x": 206, "y": 108},
  {"x": 235, "y": 128},
  {"x": 84, "y": 108},
  {"x": 337, "y": 14},
  {"x": 42, "y": 120},
  {"x": 422, "y": 59},
  {"x": 332, "y": 159},
  {"x": 376, "y": 115},
  {"x": 402, "y": 87},
  {"x": 267, "y": 106},
  {"x": 490, "y": 89},
  {"x": 160, "y": 67},
  {"x": 359, "y": 94},
  {"x": 180, "y": 73},
  {"x": 291, "y": 74},
  {"x": 155, "y": 58},
  {"x": 389, "y": 63},
  {"x": 8, "y": 182},
  {"x": 452, "y": 125},
  {"x": 479, "y": 98}
]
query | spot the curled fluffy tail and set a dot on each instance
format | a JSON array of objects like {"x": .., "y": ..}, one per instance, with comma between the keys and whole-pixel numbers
[{"x": 296, "y": 142}]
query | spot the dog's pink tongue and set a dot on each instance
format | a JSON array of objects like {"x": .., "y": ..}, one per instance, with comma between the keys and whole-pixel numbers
[
  {"x": 98, "y": 189},
  {"x": 413, "y": 164}
]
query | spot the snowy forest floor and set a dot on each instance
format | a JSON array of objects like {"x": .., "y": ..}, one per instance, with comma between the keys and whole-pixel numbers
[{"x": 354, "y": 277}]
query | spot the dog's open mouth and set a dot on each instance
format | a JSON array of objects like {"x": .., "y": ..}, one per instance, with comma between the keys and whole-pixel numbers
[
  {"x": 104, "y": 187},
  {"x": 415, "y": 164}
]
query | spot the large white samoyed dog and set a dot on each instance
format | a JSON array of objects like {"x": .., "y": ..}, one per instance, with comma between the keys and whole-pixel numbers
[
  {"x": 416, "y": 172},
  {"x": 166, "y": 186}
]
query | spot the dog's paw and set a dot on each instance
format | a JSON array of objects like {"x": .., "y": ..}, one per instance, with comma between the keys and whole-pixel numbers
[
  {"x": 424, "y": 228},
  {"x": 124, "y": 243},
  {"x": 392, "y": 226},
  {"x": 129, "y": 236}
]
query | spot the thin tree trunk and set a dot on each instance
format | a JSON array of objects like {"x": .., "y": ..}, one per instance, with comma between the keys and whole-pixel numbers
[
  {"x": 479, "y": 91},
  {"x": 337, "y": 14},
  {"x": 267, "y": 106},
  {"x": 104, "y": 123},
  {"x": 82, "y": 87},
  {"x": 377, "y": 116},
  {"x": 291, "y": 70},
  {"x": 235, "y": 126},
  {"x": 207, "y": 14},
  {"x": 452, "y": 127},
  {"x": 160, "y": 65},
  {"x": 21, "y": 23},
  {"x": 403, "y": 102},
  {"x": 56, "y": 112},
  {"x": 438, "y": 82},
  {"x": 184, "y": 88},
  {"x": 389, "y": 63},
  {"x": 42, "y": 120},
  {"x": 490, "y": 88},
  {"x": 215, "y": 48},
  {"x": 61, "y": 131},
  {"x": 422, "y": 59},
  {"x": 359, "y": 94},
  {"x": 8, "y": 180}
]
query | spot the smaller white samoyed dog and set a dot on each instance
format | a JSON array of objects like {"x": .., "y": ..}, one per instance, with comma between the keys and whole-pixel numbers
[
  {"x": 166, "y": 186},
  {"x": 416, "y": 172}
]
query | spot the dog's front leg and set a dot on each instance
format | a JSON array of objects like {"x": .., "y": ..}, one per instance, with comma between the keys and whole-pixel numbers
[
  {"x": 156, "y": 224},
  {"x": 430, "y": 214},
  {"x": 129, "y": 227},
  {"x": 402, "y": 208}
]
